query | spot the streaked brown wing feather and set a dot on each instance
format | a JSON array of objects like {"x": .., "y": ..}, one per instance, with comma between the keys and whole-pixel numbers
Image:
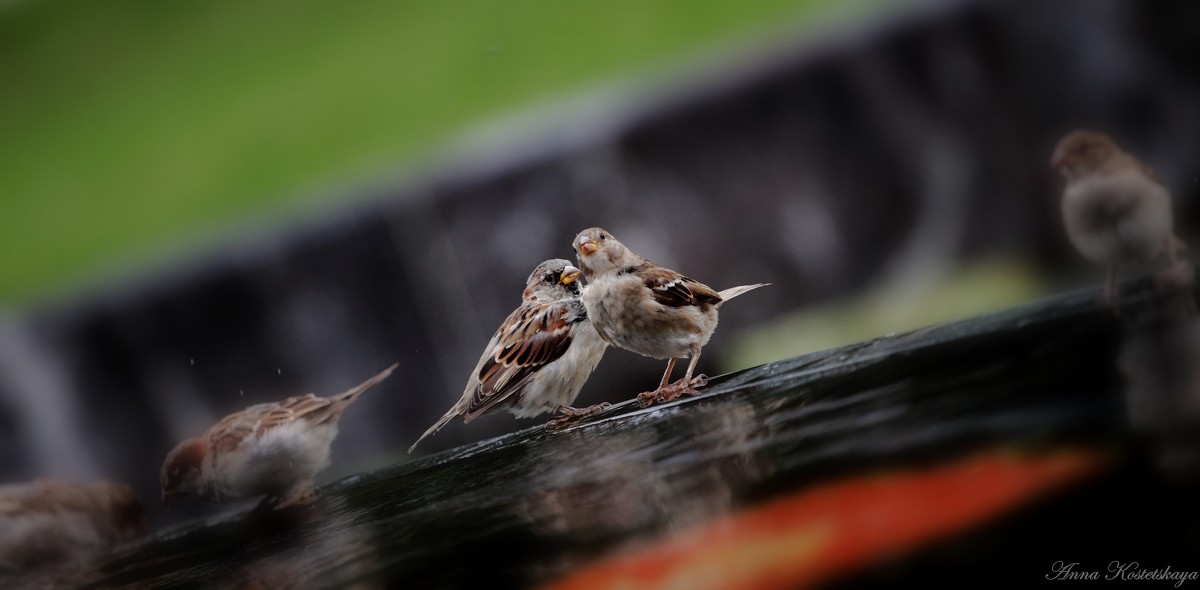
[
  {"x": 256, "y": 420},
  {"x": 541, "y": 336},
  {"x": 675, "y": 290},
  {"x": 308, "y": 407},
  {"x": 229, "y": 433}
]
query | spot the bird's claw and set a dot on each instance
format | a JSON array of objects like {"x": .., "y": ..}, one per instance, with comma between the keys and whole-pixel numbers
[
  {"x": 658, "y": 396},
  {"x": 663, "y": 395},
  {"x": 568, "y": 415},
  {"x": 688, "y": 387},
  {"x": 307, "y": 496}
]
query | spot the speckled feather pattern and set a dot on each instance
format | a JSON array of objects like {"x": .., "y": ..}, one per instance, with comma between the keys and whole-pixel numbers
[
  {"x": 626, "y": 316},
  {"x": 273, "y": 449},
  {"x": 642, "y": 307},
  {"x": 540, "y": 356}
]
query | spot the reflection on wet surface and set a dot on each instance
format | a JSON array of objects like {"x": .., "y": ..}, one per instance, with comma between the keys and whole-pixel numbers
[
  {"x": 532, "y": 507},
  {"x": 1160, "y": 363},
  {"x": 809, "y": 536}
]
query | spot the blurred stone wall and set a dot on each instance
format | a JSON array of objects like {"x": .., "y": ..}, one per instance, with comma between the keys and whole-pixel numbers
[{"x": 820, "y": 167}]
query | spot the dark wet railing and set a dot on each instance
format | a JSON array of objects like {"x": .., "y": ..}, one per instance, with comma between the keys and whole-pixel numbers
[{"x": 991, "y": 447}]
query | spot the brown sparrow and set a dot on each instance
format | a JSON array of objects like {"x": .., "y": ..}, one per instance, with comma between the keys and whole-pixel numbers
[
  {"x": 1114, "y": 208},
  {"x": 640, "y": 306},
  {"x": 539, "y": 358},
  {"x": 272, "y": 449},
  {"x": 51, "y": 522}
]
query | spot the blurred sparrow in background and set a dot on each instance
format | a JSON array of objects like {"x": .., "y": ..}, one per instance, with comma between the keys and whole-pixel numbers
[
  {"x": 1114, "y": 208},
  {"x": 539, "y": 358},
  {"x": 49, "y": 522},
  {"x": 648, "y": 309},
  {"x": 273, "y": 449}
]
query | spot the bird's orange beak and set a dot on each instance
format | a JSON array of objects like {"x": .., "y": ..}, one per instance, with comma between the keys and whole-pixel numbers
[
  {"x": 569, "y": 275},
  {"x": 587, "y": 246}
]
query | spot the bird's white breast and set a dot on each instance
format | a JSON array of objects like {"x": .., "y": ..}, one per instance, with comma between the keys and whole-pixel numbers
[
  {"x": 282, "y": 459},
  {"x": 623, "y": 312},
  {"x": 1117, "y": 217},
  {"x": 558, "y": 383}
]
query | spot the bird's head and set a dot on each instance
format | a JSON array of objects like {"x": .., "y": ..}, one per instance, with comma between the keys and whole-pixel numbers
[
  {"x": 1082, "y": 151},
  {"x": 552, "y": 280},
  {"x": 181, "y": 471},
  {"x": 598, "y": 252},
  {"x": 123, "y": 508}
]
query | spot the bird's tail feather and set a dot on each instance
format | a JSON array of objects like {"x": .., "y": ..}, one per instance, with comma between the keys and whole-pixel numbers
[
  {"x": 348, "y": 396},
  {"x": 452, "y": 414},
  {"x": 732, "y": 292}
]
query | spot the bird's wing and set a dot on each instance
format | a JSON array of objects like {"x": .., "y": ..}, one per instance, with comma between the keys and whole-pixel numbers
[
  {"x": 228, "y": 434},
  {"x": 675, "y": 290},
  {"x": 308, "y": 407},
  {"x": 532, "y": 337},
  {"x": 253, "y": 422}
]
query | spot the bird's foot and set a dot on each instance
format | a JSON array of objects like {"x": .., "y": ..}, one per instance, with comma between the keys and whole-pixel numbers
[
  {"x": 665, "y": 394},
  {"x": 686, "y": 386},
  {"x": 1176, "y": 281},
  {"x": 568, "y": 415},
  {"x": 283, "y": 510},
  {"x": 645, "y": 398},
  {"x": 696, "y": 382},
  {"x": 307, "y": 496}
]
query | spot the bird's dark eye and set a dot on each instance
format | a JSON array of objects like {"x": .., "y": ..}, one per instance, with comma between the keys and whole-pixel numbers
[
  {"x": 548, "y": 278},
  {"x": 603, "y": 237}
]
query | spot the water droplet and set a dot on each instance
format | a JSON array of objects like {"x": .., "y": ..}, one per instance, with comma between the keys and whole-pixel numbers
[
  {"x": 192, "y": 362},
  {"x": 242, "y": 392},
  {"x": 278, "y": 371}
]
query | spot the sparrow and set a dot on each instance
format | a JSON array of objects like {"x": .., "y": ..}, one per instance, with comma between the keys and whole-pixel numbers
[
  {"x": 1114, "y": 208},
  {"x": 645, "y": 308},
  {"x": 539, "y": 357},
  {"x": 273, "y": 450},
  {"x": 51, "y": 522}
]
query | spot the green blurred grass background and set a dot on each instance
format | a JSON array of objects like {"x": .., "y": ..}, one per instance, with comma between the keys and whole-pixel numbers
[{"x": 128, "y": 126}]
